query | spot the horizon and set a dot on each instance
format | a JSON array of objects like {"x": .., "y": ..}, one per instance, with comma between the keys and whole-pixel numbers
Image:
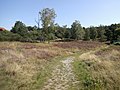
[{"x": 89, "y": 13}]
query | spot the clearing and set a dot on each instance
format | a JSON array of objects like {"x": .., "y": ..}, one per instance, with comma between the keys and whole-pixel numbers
[{"x": 76, "y": 65}]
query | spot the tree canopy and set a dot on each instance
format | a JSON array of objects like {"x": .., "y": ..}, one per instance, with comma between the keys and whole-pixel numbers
[
  {"x": 50, "y": 31},
  {"x": 77, "y": 31}
]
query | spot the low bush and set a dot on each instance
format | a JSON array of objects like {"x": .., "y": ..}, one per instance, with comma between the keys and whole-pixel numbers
[
  {"x": 9, "y": 36},
  {"x": 116, "y": 43}
]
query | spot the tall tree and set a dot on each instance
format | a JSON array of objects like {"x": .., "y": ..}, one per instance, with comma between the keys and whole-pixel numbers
[
  {"x": 77, "y": 31},
  {"x": 87, "y": 34},
  {"x": 60, "y": 32},
  {"x": 117, "y": 34},
  {"x": 20, "y": 28},
  {"x": 47, "y": 18},
  {"x": 108, "y": 33},
  {"x": 113, "y": 27},
  {"x": 101, "y": 33},
  {"x": 93, "y": 33},
  {"x": 68, "y": 33}
]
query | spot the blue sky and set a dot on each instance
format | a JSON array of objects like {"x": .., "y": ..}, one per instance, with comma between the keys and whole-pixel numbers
[{"x": 88, "y": 12}]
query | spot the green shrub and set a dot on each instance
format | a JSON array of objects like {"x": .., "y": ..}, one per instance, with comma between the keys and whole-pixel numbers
[
  {"x": 83, "y": 73},
  {"x": 116, "y": 43},
  {"x": 9, "y": 36}
]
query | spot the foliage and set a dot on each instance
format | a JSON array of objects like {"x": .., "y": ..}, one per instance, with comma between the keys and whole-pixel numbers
[
  {"x": 87, "y": 34},
  {"x": 93, "y": 33},
  {"x": 101, "y": 33},
  {"x": 9, "y": 36},
  {"x": 62, "y": 32},
  {"x": 28, "y": 34},
  {"x": 117, "y": 34},
  {"x": 50, "y": 31},
  {"x": 20, "y": 29},
  {"x": 47, "y": 18},
  {"x": 116, "y": 43},
  {"x": 77, "y": 31},
  {"x": 108, "y": 33}
]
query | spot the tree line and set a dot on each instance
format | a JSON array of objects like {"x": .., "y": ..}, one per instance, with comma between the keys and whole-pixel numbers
[{"x": 53, "y": 31}]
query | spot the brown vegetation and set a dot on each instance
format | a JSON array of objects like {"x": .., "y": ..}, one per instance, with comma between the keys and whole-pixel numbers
[
  {"x": 84, "y": 45},
  {"x": 103, "y": 68},
  {"x": 22, "y": 63}
]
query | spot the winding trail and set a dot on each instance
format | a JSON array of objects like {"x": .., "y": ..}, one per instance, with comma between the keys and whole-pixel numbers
[{"x": 62, "y": 76}]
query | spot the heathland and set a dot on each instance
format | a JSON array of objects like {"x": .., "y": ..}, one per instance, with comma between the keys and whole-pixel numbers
[{"x": 75, "y": 65}]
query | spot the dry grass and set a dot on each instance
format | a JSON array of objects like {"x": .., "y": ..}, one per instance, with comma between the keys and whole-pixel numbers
[
  {"x": 82, "y": 45},
  {"x": 102, "y": 68},
  {"x": 24, "y": 65},
  {"x": 20, "y": 62}
]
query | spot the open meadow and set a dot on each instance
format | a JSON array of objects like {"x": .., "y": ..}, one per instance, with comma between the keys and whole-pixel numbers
[{"x": 39, "y": 66}]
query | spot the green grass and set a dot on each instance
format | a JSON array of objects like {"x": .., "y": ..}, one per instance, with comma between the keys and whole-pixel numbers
[
  {"x": 98, "y": 70},
  {"x": 82, "y": 72}
]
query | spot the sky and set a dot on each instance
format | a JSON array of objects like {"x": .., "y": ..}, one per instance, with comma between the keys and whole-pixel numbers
[{"x": 88, "y": 12}]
